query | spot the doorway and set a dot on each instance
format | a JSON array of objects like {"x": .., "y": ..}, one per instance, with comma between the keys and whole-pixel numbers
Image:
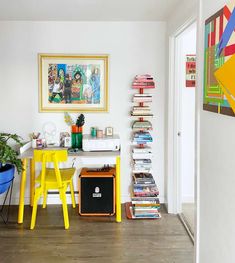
[
  {"x": 186, "y": 64},
  {"x": 181, "y": 125}
]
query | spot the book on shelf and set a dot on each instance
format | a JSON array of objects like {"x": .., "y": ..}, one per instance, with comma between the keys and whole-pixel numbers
[
  {"x": 143, "y": 170},
  {"x": 141, "y": 110},
  {"x": 143, "y": 95},
  {"x": 145, "y": 200},
  {"x": 142, "y": 100},
  {"x": 142, "y": 125},
  {"x": 143, "y": 87},
  {"x": 145, "y": 210},
  {"x": 142, "y": 150},
  {"x": 141, "y": 115},
  {"x": 142, "y": 156},
  {"x": 141, "y": 167},
  {"x": 143, "y": 178},
  {"x": 145, "y": 190},
  {"x": 142, "y": 161},
  {"x": 147, "y": 108},
  {"x": 144, "y": 82},
  {"x": 140, "y": 95},
  {"x": 144, "y": 184},
  {"x": 145, "y": 166},
  {"x": 147, "y": 206},
  {"x": 142, "y": 138},
  {"x": 152, "y": 216},
  {"x": 144, "y": 76}
]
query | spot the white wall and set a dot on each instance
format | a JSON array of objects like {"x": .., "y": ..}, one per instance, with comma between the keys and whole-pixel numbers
[
  {"x": 134, "y": 48},
  {"x": 217, "y": 176},
  {"x": 186, "y": 43}
]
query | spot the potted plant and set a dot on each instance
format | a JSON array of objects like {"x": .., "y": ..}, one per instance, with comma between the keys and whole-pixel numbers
[{"x": 8, "y": 159}]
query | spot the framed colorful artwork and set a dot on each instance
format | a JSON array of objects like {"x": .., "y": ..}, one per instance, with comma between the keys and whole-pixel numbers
[
  {"x": 219, "y": 62},
  {"x": 190, "y": 71},
  {"x": 73, "y": 83}
]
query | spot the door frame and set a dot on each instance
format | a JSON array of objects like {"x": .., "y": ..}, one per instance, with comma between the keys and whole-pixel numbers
[{"x": 173, "y": 126}]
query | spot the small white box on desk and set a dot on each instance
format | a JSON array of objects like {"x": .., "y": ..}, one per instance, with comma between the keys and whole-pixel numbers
[{"x": 107, "y": 143}]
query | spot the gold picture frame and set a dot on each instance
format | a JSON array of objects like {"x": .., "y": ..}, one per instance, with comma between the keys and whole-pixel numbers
[{"x": 73, "y": 83}]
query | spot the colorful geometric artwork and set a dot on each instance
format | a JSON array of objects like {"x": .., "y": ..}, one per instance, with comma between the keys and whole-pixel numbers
[
  {"x": 190, "y": 71},
  {"x": 219, "y": 77},
  {"x": 73, "y": 83}
]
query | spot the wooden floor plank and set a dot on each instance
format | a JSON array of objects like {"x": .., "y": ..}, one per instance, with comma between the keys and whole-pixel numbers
[{"x": 96, "y": 239}]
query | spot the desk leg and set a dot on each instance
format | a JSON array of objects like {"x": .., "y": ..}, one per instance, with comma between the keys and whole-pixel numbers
[
  {"x": 32, "y": 181},
  {"x": 22, "y": 192},
  {"x": 118, "y": 191}
]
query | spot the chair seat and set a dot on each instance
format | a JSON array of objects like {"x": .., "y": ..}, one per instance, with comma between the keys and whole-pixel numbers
[{"x": 66, "y": 175}]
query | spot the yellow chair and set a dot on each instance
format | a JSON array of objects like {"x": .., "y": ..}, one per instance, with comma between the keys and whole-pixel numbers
[{"x": 53, "y": 178}]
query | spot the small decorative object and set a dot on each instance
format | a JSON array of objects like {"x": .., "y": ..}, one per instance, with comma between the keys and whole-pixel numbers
[
  {"x": 39, "y": 143},
  {"x": 77, "y": 132},
  {"x": 73, "y": 83},
  {"x": 49, "y": 132},
  {"x": 65, "y": 139},
  {"x": 67, "y": 142},
  {"x": 93, "y": 131},
  {"x": 34, "y": 136},
  {"x": 109, "y": 131},
  {"x": 68, "y": 119},
  {"x": 80, "y": 120},
  {"x": 99, "y": 134}
]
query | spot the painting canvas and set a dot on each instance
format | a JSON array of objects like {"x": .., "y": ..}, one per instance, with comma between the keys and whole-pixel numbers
[
  {"x": 73, "y": 83},
  {"x": 190, "y": 71},
  {"x": 219, "y": 77}
]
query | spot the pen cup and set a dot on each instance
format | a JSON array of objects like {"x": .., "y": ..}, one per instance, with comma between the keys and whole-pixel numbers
[{"x": 34, "y": 143}]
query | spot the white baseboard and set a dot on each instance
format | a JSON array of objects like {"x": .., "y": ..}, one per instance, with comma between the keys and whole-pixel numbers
[{"x": 188, "y": 199}]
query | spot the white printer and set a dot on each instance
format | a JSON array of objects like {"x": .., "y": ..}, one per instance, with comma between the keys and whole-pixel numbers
[{"x": 107, "y": 143}]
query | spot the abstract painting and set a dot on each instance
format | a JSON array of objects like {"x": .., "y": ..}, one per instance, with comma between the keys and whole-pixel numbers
[
  {"x": 219, "y": 59},
  {"x": 73, "y": 83}
]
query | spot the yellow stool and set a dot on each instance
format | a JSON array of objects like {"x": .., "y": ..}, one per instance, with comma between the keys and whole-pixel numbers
[{"x": 53, "y": 178}]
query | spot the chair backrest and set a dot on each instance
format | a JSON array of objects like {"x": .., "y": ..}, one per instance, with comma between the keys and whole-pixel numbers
[{"x": 50, "y": 156}]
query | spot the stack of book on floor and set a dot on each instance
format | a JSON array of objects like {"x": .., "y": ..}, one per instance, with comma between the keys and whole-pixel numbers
[
  {"x": 145, "y": 202},
  {"x": 141, "y": 111},
  {"x": 142, "y": 98},
  {"x": 143, "y": 82},
  {"x": 142, "y": 137}
]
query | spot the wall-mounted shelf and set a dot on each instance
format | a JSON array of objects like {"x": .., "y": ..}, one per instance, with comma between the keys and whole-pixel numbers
[{"x": 144, "y": 201}]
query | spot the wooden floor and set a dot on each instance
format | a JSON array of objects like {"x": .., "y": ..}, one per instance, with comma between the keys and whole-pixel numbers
[
  {"x": 188, "y": 211},
  {"x": 93, "y": 239}
]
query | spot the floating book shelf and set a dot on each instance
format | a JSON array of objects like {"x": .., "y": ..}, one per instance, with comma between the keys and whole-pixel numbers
[{"x": 144, "y": 201}]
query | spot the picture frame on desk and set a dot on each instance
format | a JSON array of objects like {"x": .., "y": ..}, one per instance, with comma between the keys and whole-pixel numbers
[{"x": 73, "y": 83}]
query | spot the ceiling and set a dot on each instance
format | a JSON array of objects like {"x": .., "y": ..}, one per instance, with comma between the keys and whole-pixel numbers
[{"x": 87, "y": 10}]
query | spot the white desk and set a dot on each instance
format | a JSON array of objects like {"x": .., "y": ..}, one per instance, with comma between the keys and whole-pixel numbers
[{"x": 84, "y": 158}]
